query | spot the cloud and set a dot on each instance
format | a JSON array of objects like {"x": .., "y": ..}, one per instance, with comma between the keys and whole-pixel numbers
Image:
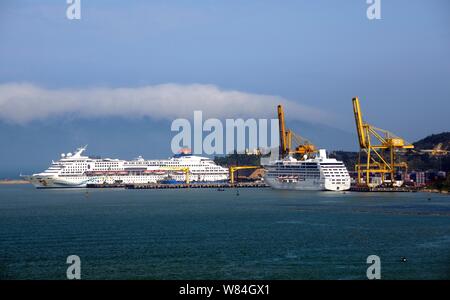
[{"x": 22, "y": 103}]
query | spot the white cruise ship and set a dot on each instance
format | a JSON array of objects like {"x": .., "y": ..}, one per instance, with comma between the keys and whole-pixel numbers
[
  {"x": 317, "y": 173},
  {"x": 77, "y": 170}
]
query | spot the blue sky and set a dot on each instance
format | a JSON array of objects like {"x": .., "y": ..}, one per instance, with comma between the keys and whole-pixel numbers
[{"x": 313, "y": 55}]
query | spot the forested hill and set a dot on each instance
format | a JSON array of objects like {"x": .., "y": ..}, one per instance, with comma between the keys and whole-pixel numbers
[{"x": 432, "y": 141}]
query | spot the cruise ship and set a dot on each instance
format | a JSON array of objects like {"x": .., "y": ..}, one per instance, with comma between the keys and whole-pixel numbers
[
  {"x": 316, "y": 173},
  {"x": 77, "y": 170}
]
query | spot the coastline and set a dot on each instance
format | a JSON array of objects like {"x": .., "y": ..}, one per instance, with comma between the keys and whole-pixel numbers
[
  {"x": 13, "y": 181},
  {"x": 436, "y": 191}
]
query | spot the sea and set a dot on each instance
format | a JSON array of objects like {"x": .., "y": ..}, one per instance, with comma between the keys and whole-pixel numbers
[{"x": 242, "y": 233}]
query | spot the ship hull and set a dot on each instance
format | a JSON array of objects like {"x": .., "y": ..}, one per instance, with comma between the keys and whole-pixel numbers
[
  {"x": 46, "y": 182},
  {"x": 306, "y": 185},
  {"x": 43, "y": 182}
]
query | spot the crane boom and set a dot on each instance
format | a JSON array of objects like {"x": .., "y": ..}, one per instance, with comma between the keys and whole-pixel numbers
[
  {"x": 282, "y": 128},
  {"x": 236, "y": 168},
  {"x": 359, "y": 123},
  {"x": 185, "y": 170}
]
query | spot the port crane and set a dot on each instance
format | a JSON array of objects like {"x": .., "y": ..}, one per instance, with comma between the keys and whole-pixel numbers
[
  {"x": 236, "y": 168},
  {"x": 185, "y": 170},
  {"x": 303, "y": 146},
  {"x": 380, "y": 147}
]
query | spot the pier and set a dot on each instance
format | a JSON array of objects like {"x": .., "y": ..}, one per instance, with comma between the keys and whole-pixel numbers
[
  {"x": 196, "y": 186},
  {"x": 227, "y": 185},
  {"x": 404, "y": 189},
  {"x": 158, "y": 186}
]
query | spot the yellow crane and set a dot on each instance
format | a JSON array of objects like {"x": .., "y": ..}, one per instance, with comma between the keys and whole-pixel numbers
[
  {"x": 236, "y": 168},
  {"x": 304, "y": 147},
  {"x": 185, "y": 170},
  {"x": 380, "y": 147}
]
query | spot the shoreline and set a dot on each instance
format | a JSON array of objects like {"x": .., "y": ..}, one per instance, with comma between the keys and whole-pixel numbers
[
  {"x": 13, "y": 181},
  {"x": 435, "y": 191}
]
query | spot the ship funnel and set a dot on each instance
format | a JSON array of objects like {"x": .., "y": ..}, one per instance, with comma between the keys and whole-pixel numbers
[{"x": 323, "y": 153}]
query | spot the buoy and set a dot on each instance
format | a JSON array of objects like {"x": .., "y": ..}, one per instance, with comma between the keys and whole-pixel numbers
[{"x": 403, "y": 259}]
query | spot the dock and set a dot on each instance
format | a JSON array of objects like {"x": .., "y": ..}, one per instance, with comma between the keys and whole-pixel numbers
[
  {"x": 227, "y": 185},
  {"x": 159, "y": 186},
  {"x": 403, "y": 189},
  {"x": 104, "y": 185},
  {"x": 196, "y": 186}
]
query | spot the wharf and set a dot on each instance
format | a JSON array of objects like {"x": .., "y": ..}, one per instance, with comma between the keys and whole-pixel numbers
[
  {"x": 105, "y": 185},
  {"x": 197, "y": 186},
  {"x": 404, "y": 189},
  {"x": 181, "y": 185}
]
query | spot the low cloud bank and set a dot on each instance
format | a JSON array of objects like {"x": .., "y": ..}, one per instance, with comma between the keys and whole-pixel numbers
[{"x": 22, "y": 103}]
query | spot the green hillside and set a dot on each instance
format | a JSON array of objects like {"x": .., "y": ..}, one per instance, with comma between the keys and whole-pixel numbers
[{"x": 433, "y": 140}]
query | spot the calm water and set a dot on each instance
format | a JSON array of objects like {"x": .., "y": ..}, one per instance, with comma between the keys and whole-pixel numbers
[{"x": 206, "y": 234}]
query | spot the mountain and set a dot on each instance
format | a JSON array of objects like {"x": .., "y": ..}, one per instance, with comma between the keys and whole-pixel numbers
[
  {"x": 432, "y": 141},
  {"x": 424, "y": 156}
]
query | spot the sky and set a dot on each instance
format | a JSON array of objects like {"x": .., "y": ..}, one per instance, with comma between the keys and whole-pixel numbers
[{"x": 118, "y": 77}]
